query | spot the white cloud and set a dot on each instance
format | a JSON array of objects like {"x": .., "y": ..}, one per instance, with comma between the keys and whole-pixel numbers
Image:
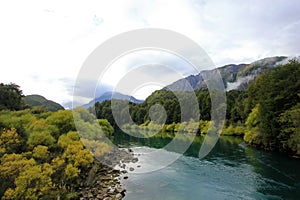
[{"x": 44, "y": 43}]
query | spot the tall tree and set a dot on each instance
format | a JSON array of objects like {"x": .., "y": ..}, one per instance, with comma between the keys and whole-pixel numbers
[
  {"x": 11, "y": 97},
  {"x": 275, "y": 92}
]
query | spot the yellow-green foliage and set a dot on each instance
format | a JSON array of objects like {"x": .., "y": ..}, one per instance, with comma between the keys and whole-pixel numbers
[
  {"x": 20, "y": 120},
  {"x": 252, "y": 133},
  {"x": 33, "y": 183},
  {"x": 251, "y": 136},
  {"x": 290, "y": 132},
  {"x": 88, "y": 126},
  {"x": 97, "y": 148},
  {"x": 10, "y": 141},
  {"x": 40, "y": 138},
  {"x": 170, "y": 127},
  {"x": 71, "y": 172},
  {"x": 234, "y": 130},
  {"x": 40, "y": 152},
  {"x": 13, "y": 164},
  {"x": 204, "y": 126},
  {"x": 190, "y": 127},
  {"x": 63, "y": 120},
  {"x": 106, "y": 127},
  {"x": 253, "y": 120},
  {"x": 42, "y": 155}
]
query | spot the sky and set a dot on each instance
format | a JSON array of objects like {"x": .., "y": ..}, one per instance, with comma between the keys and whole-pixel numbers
[{"x": 43, "y": 44}]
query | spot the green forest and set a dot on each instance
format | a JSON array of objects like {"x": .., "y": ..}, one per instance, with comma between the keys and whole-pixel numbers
[
  {"x": 266, "y": 114},
  {"x": 43, "y": 157}
]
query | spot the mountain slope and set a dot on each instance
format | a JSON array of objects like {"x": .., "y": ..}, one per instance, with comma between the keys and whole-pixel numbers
[
  {"x": 234, "y": 76},
  {"x": 111, "y": 95},
  {"x": 38, "y": 100}
]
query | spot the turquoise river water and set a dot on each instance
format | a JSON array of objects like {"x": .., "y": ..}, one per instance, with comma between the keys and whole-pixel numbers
[{"x": 231, "y": 170}]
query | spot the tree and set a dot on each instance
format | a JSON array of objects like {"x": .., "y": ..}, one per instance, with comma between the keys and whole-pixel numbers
[
  {"x": 253, "y": 118},
  {"x": 106, "y": 127},
  {"x": 11, "y": 165},
  {"x": 252, "y": 134},
  {"x": 71, "y": 172},
  {"x": 77, "y": 155},
  {"x": 204, "y": 102},
  {"x": 74, "y": 151},
  {"x": 10, "y": 141},
  {"x": 33, "y": 183},
  {"x": 236, "y": 111},
  {"x": 40, "y": 138},
  {"x": 49, "y": 164},
  {"x": 42, "y": 126},
  {"x": 275, "y": 92},
  {"x": 41, "y": 152},
  {"x": 289, "y": 136},
  {"x": 11, "y": 97},
  {"x": 63, "y": 120},
  {"x": 58, "y": 164},
  {"x": 20, "y": 120},
  {"x": 64, "y": 141}
]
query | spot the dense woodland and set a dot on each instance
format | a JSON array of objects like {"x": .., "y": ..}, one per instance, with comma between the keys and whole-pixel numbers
[
  {"x": 43, "y": 157},
  {"x": 266, "y": 114}
]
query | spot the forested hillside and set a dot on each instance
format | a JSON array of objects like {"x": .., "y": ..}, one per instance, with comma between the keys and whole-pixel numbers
[
  {"x": 12, "y": 98},
  {"x": 266, "y": 113},
  {"x": 233, "y": 76},
  {"x": 275, "y": 99},
  {"x": 43, "y": 157},
  {"x": 38, "y": 100}
]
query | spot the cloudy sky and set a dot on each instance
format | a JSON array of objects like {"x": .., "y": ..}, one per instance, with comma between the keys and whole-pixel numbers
[{"x": 43, "y": 44}]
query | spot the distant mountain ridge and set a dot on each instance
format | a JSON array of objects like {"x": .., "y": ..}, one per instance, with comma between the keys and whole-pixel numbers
[
  {"x": 38, "y": 100},
  {"x": 234, "y": 76},
  {"x": 112, "y": 95}
]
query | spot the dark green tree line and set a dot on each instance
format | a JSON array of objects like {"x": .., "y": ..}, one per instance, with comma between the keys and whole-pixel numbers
[{"x": 11, "y": 97}]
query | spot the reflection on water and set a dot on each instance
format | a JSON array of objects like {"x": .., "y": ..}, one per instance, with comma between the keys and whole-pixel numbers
[{"x": 231, "y": 171}]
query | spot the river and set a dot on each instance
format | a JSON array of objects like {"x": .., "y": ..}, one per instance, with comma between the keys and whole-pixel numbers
[{"x": 231, "y": 170}]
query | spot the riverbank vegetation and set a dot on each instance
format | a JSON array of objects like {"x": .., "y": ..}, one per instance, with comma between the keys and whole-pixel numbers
[
  {"x": 266, "y": 114},
  {"x": 41, "y": 154},
  {"x": 45, "y": 155}
]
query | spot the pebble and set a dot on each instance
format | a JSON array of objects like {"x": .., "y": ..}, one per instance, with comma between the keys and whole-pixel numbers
[
  {"x": 106, "y": 183},
  {"x": 131, "y": 169},
  {"x": 119, "y": 196}
]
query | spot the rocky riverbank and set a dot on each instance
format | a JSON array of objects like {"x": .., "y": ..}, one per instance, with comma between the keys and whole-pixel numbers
[{"x": 103, "y": 181}]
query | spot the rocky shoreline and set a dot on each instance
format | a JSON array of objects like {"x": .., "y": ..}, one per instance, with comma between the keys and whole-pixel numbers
[{"x": 103, "y": 181}]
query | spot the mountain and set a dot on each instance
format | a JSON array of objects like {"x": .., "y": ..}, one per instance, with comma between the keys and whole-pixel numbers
[
  {"x": 112, "y": 95},
  {"x": 38, "y": 100},
  {"x": 234, "y": 76}
]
